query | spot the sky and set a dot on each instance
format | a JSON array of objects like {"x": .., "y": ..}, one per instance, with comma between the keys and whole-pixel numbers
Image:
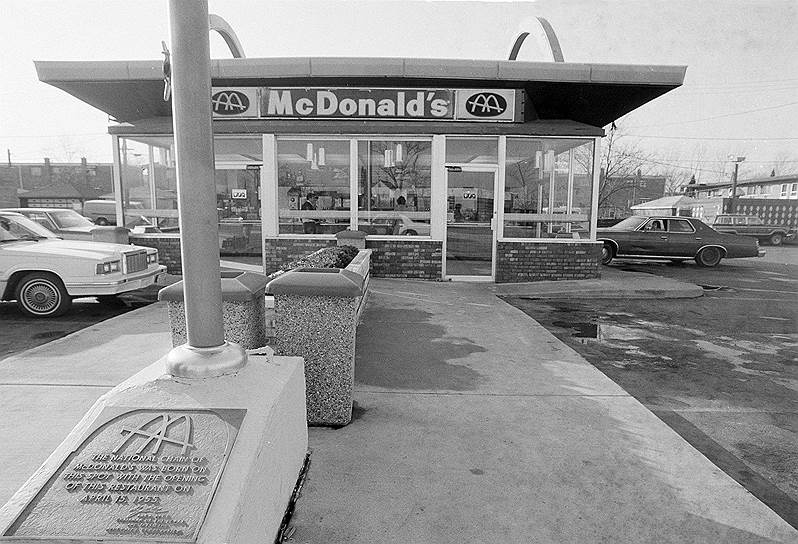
[{"x": 740, "y": 96}]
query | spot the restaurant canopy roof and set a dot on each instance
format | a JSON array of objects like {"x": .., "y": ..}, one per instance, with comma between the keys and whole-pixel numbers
[{"x": 591, "y": 94}]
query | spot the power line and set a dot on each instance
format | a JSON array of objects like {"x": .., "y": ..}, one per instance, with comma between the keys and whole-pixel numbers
[
  {"x": 709, "y": 138},
  {"x": 717, "y": 116}
]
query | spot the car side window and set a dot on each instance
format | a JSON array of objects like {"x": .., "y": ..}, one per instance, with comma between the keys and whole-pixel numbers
[
  {"x": 654, "y": 225},
  {"x": 724, "y": 221},
  {"x": 739, "y": 220},
  {"x": 679, "y": 225},
  {"x": 43, "y": 220}
]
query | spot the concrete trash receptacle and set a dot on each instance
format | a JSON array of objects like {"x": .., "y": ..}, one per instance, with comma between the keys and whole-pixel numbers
[
  {"x": 316, "y": 313},
  {"x": 115, "y": 235},
  {"x": 243, "y": 309}
]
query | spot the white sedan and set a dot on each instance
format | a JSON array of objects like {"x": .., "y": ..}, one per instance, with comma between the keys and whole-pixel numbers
[{"x": 43, "y": 273}]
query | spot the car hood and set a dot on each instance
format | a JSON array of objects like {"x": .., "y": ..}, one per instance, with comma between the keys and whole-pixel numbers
[{"x": 69, "y": 248}]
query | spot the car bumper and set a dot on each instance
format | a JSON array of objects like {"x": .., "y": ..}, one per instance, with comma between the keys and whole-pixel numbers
[{"x": 116, "y": 286}]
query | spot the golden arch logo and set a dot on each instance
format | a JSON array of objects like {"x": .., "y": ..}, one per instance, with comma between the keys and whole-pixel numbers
[
  {"x": 229, "y": 103},
  {"x": 156, "y": 432},
  {"x": 486, "y": 105}
]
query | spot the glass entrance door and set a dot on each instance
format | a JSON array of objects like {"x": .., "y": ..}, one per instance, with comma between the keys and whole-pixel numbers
[
  {"x": 469, "y": 222},
  {"x": 239, "y": 209}
]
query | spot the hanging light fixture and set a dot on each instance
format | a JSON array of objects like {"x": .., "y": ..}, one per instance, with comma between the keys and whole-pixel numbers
[
  {"x": 538, "y": 165},
  {"x": 309, "y": 153},
  {"x": 322, "y": 157},
  {"x": 388, "y": 159},
  {"x": 399, "y": 157},
  {"x": 314, "y": 165}
]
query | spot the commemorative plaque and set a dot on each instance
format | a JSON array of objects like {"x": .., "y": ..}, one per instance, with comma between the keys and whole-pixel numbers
[{"x": 139, "y": 475}]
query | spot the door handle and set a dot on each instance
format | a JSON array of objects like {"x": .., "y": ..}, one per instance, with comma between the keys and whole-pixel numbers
[{"x": 698, "y": 238}]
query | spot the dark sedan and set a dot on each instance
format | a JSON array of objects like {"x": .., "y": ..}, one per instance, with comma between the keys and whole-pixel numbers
[{"x": 673, "y": 238}]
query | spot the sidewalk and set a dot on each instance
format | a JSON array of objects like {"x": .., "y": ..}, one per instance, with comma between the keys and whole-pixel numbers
[{"x": 472, "y": 424}]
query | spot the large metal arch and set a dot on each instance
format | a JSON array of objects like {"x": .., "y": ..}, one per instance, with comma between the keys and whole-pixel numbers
[
  {"x": 551, "y": 37},
  {"x": 221, "y": 26}
]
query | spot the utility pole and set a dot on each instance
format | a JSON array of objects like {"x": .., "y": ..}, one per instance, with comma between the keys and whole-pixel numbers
[{"x": 737, "y": 161}]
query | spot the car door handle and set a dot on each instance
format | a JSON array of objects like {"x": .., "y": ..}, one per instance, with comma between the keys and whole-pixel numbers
[{"x": 698, "y": 238}]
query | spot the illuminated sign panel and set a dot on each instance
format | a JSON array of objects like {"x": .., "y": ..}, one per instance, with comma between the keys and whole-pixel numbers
[
  {"x": 238, "y": 102},
  {"x": 485, "y": 105},
  {"x": 473, "y": 105},
  {"x": 339, "y": 103}
]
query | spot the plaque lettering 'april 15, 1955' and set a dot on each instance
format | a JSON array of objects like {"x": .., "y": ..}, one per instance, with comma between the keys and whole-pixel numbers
[{"x": 139, "y": 475}]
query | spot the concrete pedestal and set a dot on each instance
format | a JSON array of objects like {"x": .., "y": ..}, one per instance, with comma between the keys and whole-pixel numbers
[{"x": 216, "y": 460}]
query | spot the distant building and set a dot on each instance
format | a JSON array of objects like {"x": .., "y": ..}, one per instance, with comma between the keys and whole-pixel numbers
[
  {"x": 667, "y": 205},
  {"x": 62, "y": 184},
  {"x": 773, "y": 187},
  {"x": 623, "y": 193}
]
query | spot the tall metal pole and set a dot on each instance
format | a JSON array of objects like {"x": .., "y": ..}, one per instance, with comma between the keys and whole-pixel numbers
[
  {"x": 737, "y": 162},
  {"x": 206, "y": 352}
]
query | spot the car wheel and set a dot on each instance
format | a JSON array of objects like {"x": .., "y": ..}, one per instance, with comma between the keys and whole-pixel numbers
[
  {"x": 42, "y": 294},
  {"x": 776, "y": 239},
  {"x": 709, "y": 257},
  {"x": 607, "y": 254},
  {"x": 409, "y": 232},
  {"x": 101, "y": 221}
]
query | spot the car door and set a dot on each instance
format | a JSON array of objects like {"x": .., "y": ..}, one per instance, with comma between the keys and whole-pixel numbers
[
  {"x": 650, "y": 239},
  {"x": 683, "y": 240}
]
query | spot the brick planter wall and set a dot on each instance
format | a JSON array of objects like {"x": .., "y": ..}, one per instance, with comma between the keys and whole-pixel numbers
[
  {"x": 414, "y": 259},
  {"x": 279, "y": 252},
  {"x": 539, "y": 261},
  {"x": 168, "y": 246}
]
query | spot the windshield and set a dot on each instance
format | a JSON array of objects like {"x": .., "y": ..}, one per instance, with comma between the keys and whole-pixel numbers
[
  {"x": 68, "y": 218},
  {"x": 17, "y": 227},
  {"x": 630, "y": 223}
]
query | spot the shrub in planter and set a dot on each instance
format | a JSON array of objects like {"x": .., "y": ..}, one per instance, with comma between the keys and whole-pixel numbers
[{"x": 328, "y": 257}]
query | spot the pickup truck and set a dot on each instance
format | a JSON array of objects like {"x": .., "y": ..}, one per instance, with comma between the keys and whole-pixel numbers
[{"x": 751, "y": 225}]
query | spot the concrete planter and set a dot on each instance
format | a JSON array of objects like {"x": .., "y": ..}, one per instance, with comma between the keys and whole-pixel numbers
[
  {"x": 316, "y": 315},
  {"x": 243, "y": 309}
]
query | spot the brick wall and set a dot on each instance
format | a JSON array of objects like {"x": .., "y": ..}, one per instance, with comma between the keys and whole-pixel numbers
[
  {"x": 415, "y": 259},
  {"x": 539, "y": 261},
  {"x": 168, "y": 246},
  {"x": 279, "y": 252}
]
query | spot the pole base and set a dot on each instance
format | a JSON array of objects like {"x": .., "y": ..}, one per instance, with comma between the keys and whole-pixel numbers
[{"x": 190, "y": 362}]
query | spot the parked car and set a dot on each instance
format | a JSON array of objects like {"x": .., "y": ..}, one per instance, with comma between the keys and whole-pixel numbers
[
  {"x": 43, "y": 273},
  {"x": 103, "y": 212},
  {"x": 673, "y": 238},
  {"x": 66, "y": 223},
  {"x": 751, "y": 225}
]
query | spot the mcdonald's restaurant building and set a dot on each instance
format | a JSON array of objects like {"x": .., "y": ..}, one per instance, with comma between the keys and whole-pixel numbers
[{"x": 453, "y": 169}]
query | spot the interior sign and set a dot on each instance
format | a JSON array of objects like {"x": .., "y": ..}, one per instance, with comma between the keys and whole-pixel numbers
[
  {"x": 486, "y": 105},
  {"x": 238, "y": 102},
  {"x": 340, "y": 103},
  {"x": 238, "y": 194}
]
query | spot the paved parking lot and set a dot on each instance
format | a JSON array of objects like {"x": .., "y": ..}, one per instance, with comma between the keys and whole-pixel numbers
[{"x": 721, "y": 370}]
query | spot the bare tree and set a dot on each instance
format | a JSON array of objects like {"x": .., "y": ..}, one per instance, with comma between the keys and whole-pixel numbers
[{"x": 622, "y": 163}]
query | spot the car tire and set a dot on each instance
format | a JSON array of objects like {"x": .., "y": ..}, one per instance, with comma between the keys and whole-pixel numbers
[
  {"x": 101, "y": 221},
  {"x": 776, "y": 239},
  {"x": 607, "y": 254},
  {"x": 409, "y": 232},
  {"x": 709, "y": 257},
  {"x": 42, "y": 294}
]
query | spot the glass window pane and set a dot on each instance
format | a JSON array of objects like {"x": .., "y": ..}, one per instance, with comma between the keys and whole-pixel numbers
[
  {"x": 394, "y": 181},
  {"x": 548, "y": 188},
  {"x": 472, "y": 150},
  {"x": 313, "y": 186},
  {"x": 149, "y": 182}
]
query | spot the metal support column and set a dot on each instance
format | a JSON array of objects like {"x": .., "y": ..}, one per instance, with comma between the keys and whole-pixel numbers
[{"x": 206, "y": 354}]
